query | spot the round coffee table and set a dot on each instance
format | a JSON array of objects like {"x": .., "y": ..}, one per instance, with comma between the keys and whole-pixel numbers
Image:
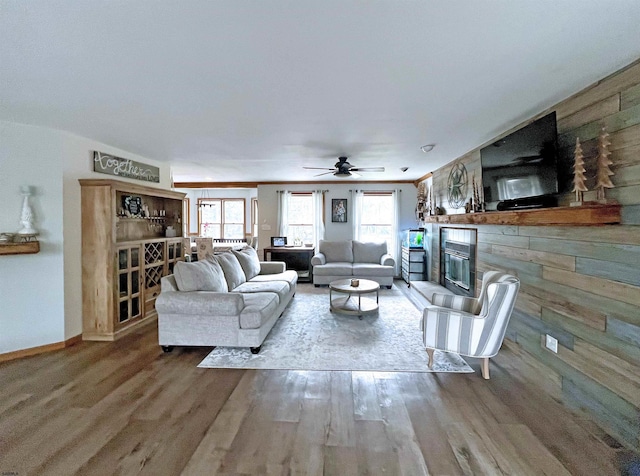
[{"x": 354, "y": 303}]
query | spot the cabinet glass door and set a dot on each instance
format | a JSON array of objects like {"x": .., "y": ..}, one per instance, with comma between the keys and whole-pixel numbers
[
  {"x": 174, "y": 254},
  {"x": 129, "y": 289}
]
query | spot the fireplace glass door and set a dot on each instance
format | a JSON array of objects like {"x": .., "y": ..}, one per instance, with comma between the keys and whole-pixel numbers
[{"x": 457, "y": 269}]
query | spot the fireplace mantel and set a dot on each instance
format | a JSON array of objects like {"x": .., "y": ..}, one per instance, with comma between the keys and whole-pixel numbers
[{"x": 586, "y": 215}]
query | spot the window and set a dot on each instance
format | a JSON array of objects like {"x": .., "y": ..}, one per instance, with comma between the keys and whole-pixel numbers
[
  {"x": 186, "y": 210},
  {"x": 377, "y": 218},
  {"x": 221, "y": 217},
  {"x": 300, "y": 218},
  {"x": 254, "y": 217}
]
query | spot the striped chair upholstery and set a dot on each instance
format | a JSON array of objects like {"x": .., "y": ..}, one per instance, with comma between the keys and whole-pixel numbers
[{"x": 471, "y": 327}]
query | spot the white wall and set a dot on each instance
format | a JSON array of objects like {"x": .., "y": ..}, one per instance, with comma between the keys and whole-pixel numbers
[
  {"x": 268, "y": 207},
  {"x": 41, "y": 294},
  {"x": 193, "y": 194}
]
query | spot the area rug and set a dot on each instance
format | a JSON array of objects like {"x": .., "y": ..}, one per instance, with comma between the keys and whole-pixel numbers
[{"x": 310, "y": 337}]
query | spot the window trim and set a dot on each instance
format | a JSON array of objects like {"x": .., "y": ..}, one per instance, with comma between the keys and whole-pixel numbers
[{"x": 222, "y": 221}]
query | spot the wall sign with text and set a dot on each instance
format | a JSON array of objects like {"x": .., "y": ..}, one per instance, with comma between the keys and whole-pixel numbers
[{"x": 111, "y": 165}]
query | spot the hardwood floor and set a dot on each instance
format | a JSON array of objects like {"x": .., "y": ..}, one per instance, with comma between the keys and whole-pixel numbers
[{"x": 126, "y": 408}]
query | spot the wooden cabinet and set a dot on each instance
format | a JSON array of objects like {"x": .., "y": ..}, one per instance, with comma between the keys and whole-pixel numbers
[
  {"x": 413, "y": 264},
  {"x": 296, "y": 258},
  {"x": 125, "y": 254}
]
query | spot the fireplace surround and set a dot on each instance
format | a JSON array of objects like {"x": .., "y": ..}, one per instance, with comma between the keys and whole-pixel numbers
[{"x": 458, "y": 260}]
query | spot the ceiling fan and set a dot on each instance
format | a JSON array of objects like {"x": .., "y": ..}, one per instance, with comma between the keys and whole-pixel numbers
[{"x": 342, "y": 168}]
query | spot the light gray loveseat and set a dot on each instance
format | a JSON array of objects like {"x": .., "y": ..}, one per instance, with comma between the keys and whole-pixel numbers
[
  {"x": 352, "y": 259},
  {"x": 230, "y": 299}
]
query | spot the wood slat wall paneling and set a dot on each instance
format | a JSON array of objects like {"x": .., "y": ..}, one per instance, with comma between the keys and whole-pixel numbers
[
  {"x": 630, "y": 97},
  {"x": 607, "y": 106},
  {"x": 625, "y": 273},
  {"x": 597, "y": 251},
  {"x": 541, "y": 327},
  {"x": 624, "y": 331},
  {"x": 580, "y": 284}
]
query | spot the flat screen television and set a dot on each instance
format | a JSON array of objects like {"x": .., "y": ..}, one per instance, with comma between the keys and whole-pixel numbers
[{"x": 520, "y": 170}]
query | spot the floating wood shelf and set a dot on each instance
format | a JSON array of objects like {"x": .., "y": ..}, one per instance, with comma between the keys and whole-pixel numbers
[
  {"x": 29, "y": 247},
  {"x": 586, "y": 215}
]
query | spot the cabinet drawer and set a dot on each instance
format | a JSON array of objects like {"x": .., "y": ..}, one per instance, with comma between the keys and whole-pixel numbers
[{"x": 416, "y": 257}]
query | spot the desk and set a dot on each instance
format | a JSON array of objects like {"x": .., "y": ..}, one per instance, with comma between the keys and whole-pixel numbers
[{"x": 297, "y": 258}]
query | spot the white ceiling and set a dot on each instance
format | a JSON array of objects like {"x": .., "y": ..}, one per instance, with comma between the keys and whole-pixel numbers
[{"x": 253, "y": 90}]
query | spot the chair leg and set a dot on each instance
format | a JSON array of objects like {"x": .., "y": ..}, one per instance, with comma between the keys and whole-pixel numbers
[
  {"x": 430, "y": 354},
  {"x": 485, "y": 368}
]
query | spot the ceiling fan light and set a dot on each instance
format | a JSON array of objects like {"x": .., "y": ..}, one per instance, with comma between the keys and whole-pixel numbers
[
  {"x": 342, "y": 174},
  {"x": 427, "y": 148}
]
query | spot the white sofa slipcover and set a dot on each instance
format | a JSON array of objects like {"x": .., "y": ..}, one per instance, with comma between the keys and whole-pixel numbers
[
  {"x": 351, "y": 258},
  {"x": 239, "y": 317}
]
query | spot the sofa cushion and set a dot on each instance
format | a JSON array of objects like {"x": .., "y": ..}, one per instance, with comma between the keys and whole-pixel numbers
[
  {"x": 258, "y": 308},
  {"x": 336, "y": 251},
  {"x": 333, "y": 269},
  {"x": 199, "y": 276},
  {"x": 233, "y": 272},
  {"x": 364, "y": 270},
  {"x": 289, "y": 276},
  {"x": 281, "y": 288},
  {"x": 368, "y": 252},
  {"x": 248, "y": 258}
]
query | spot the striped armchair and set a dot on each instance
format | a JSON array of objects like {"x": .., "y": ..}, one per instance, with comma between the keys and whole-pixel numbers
[{"x": 471, "y": 327}]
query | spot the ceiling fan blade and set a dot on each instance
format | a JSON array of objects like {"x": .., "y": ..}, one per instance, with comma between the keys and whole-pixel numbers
[
  {"x": 326, "y": 173},
  {"x": 319, "y": 168},
  {"x": 354, "y": 174},
  {"x": 367, "y": 169}
]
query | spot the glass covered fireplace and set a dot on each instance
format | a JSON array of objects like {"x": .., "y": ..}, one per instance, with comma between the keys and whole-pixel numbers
[{"x": 458, "y": 260}]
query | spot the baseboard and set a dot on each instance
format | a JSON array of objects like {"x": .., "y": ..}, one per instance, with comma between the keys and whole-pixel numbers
[{"x": 41, "y": 349}]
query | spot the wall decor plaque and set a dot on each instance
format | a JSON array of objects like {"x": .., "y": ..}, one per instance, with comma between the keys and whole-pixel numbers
[{"x": 112, "y": 165}]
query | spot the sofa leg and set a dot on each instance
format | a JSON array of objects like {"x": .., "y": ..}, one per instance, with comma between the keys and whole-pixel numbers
[
  {"x": 167, "y": 348},
  {"x": 317, "y": 285},
  {"x": 255, "y": 350},
  {"x": 389, "y": 287},
  {"x": 430, "y": 354}
]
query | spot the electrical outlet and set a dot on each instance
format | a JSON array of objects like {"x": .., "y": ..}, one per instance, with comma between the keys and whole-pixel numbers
[{"x": 551, "y": 343}]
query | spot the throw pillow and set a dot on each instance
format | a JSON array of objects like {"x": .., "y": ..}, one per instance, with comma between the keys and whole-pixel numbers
[
  {"x": 199, "y": 276},
  {"x": 248, "y": 258},
  {"x": 368, "y": 252},
  {"x": 230, "y": 265}
]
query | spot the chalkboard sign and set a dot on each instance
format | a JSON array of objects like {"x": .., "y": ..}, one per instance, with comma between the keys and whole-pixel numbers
[
  {"x": 111, "y": 165},
  {"x": 132, "y": 204}
]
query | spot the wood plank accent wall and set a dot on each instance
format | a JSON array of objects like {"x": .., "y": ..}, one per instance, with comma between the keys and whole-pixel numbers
[{"x": 579, "y": 284}]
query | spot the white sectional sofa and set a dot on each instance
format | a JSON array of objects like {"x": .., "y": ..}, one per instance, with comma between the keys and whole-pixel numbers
[
  {"x": 351, "y": 258},
  {"x": 230, "y": 299}
]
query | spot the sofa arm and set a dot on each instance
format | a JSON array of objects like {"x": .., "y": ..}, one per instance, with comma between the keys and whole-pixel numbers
[
  {"x": 272, "y": 267},
  {"x": 387, "y": 260},
  {"x": 452, "y": 301},
  {"x": 200, "y": 303},
  {"x": 318, "y": 258}
]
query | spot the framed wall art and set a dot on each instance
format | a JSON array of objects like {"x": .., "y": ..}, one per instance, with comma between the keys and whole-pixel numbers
[{"x": 339, "y": 210}]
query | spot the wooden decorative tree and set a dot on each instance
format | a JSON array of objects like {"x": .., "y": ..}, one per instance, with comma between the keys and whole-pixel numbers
[
  {"x": 579, "y": 179},
  {"x": 603, "y": 162}
]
